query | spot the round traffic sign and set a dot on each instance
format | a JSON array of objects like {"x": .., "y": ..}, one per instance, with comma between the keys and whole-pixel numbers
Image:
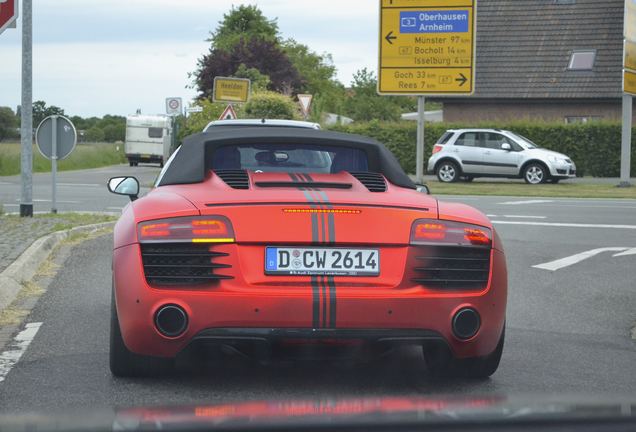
[
  {"x": 66, "y": 137},
  {"x": 173, "y": 103}
]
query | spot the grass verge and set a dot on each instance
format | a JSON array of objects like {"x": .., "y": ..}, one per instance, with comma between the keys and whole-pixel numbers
[
  {"x": 563, "y": 190},
  {"x": 84, "y": 156}
]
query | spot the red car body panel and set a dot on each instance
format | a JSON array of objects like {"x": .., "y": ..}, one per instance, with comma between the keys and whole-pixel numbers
[{"x": 255, "y": 300}]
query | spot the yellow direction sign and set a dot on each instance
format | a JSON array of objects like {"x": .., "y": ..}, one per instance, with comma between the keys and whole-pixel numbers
[
  {"x": 232, "y": 90},
  {"x": 427, "y": 47},
  {"x": 629, "y": 82},
  {"x": 630, "y": 55}
]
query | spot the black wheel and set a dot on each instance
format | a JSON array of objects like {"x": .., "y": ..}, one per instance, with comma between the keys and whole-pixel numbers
[
  {"x": 535, "y": 173},
  {"x": 554, "y": 180},
  {"x": 124, "y": 363},
  {"x": 468, "y": 179},
  {"x": 161, "y": 164},
  {"x": 131, "y": 163},
  {"x": 448, "y": 172},
  {"x": 441, "y": 363}
]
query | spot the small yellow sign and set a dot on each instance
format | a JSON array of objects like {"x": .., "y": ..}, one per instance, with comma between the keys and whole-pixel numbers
[
  {"x": 231, "y": 90},
  {"x": 427, "y": 47},
  {"x": 629, "y": 82}
]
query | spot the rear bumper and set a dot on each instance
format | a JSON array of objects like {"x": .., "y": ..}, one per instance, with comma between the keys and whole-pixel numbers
[
  {"x": 233, "y": 311},
  {"x": 144, "y": 157}
]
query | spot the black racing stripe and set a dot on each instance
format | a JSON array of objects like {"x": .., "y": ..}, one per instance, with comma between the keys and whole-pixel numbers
[
  {"x": 315, "y": 302},
  {"x": 322, "y": 221},
  {"x": 332, "y": 301},
  {"x": 308, "y": 177},
  {"x": 294, "y": 177},
  {"x": 323, "y": 289}
]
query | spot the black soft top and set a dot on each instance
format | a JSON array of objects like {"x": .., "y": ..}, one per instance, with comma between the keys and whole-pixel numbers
[{"x": 193, "y": 159}]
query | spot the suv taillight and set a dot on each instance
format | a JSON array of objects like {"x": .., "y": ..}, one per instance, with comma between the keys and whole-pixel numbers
[
  {"x": 191, "y": 229},
  {"x": 437, "y": 148},
  {"x": 448, "y": 233}
]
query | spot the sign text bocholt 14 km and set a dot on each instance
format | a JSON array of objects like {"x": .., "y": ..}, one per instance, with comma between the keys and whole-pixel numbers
[{"x": 427, "y": 47}]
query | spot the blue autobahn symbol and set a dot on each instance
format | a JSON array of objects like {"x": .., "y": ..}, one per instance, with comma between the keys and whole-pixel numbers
[{"x": 440, "y": 21}]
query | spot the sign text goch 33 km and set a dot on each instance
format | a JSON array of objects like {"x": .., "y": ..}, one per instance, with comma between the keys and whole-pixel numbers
[{"x": 427, "y": 47}]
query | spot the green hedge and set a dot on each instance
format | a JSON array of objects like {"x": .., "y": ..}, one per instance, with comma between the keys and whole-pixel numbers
[{"x": 595, "y": 147}]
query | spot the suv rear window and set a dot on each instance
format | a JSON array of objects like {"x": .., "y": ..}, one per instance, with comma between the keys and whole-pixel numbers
[{"x": 444, "y": 138}]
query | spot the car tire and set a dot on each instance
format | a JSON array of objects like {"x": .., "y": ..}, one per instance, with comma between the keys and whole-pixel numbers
[
  {"x": 535, "y": 173},
  {"x": 131, "y": 163},
  {"x": 441, "y": 363},
  {"x": 448, "y": 172},
  {"x": 124, "y": 363},
  {"x": 554, "y": 180}
]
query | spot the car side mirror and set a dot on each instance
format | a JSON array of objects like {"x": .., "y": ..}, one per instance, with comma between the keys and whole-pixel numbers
[
  {"x": 506, "y": 147},
  {"x": 422, "y": 188},
  {"x": 128, "y": 186}
]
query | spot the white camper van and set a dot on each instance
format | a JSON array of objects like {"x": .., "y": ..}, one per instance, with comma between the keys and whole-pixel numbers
[{"x": 148, "y": 139}]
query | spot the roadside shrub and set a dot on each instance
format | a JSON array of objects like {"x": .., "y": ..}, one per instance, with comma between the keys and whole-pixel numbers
[
  {"x": 271, "y": 105},
  {"x": 595, "y": 147},
  {"x": 94, "y": 134}
]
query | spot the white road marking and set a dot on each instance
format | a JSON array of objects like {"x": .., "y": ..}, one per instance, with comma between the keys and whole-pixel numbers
[
  {"x": 81, "y": 184},
  {"x": 524, "y": 217},
  {"x": 628, "y": 252},
  {"x": 573, "y": 259},
  {"x": 491, "y": 215},
  {"x": 565, "y": 225},
  {"x": 525, "y": 202},
  {"x": 20, "y": 343},
  {"x": 57, "y": 201}
]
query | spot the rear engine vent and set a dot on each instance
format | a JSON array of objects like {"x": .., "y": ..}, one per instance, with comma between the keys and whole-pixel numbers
[
  {"x": 452, "y": 267},
  {"x": 236, "y": 179},
  {"x": 181, "y": 264},
  {"x": 373, "y": 181}
]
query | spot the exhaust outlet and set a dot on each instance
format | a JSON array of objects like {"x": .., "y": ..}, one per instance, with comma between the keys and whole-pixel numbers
[
  {"x": 466, "y": 323},
  {"x": 171, "y": 320}
]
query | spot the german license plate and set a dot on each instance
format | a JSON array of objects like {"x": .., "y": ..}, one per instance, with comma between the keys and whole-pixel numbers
[{"x": 322, "y": 261}]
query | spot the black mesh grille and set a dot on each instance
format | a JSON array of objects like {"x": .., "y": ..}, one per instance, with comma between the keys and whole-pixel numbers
[
  {"x": 236, "y": 179},
  {"x": 373, "y": 181},
  {"x": 181, "y": 264},
  {"x": 452, "y": 267}
]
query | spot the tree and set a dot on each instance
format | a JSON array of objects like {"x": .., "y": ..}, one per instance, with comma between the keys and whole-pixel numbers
[
  {"x": 94, "y": 134},
  {"x": 41, "y": 111},
  {"x": 8, "y": 123},
  {"x": 271, "y": 105},
  {"x": 364, "y": 104},
  {"x": 318, "y": 74},
  {"x": 265, "y": 56},
  {"x": 259, "y": 82},
  {"x": 115, "y": 132},
  {"x": 243, "y": 24}
]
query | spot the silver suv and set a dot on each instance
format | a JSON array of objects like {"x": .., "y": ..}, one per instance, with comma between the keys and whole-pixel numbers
[{"x": 468, "y": 153}]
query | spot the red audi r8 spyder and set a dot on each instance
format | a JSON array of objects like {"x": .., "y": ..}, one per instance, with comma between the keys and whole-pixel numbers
[{"x": 275, "y": 235}]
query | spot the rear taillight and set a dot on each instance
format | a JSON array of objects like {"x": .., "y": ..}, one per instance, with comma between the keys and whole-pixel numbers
[
  {"x": 196, "y": 229},
  {"x": 437, "y": 148},
  {"x": 439, "y": 232}
]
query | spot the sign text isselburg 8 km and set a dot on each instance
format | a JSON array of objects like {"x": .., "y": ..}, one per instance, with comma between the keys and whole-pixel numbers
[{"x": 427, "y": 47}]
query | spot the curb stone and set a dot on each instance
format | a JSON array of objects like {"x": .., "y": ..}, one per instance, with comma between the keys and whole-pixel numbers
[{"x": 24, "y": 268}]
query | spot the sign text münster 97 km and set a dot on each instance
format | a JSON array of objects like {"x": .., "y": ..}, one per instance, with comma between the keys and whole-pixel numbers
[{"x": 427, "y": 47}]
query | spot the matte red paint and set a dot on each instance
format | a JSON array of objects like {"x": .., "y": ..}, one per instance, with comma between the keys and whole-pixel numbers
[{"x": 258, "y": 220}]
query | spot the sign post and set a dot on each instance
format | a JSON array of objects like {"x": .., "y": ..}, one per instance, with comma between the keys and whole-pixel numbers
[
  {"x": 26, "y": 112},
  {"x": 427, "y": 47},
  {"x": 56, "y": 138},
  {"x": 629, "y": 90}
]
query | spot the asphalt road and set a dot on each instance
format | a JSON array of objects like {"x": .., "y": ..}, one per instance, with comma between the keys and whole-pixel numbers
[
  {"x": 568, "y": 330},
  {"x": 83, "y": 190}
]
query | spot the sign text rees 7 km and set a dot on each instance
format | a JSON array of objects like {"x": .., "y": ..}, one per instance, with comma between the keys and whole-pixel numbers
[{"x": 427, "y": 47}]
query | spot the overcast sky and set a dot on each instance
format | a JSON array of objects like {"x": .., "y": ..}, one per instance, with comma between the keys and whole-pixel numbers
[{"x": 96, "y": 57}]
